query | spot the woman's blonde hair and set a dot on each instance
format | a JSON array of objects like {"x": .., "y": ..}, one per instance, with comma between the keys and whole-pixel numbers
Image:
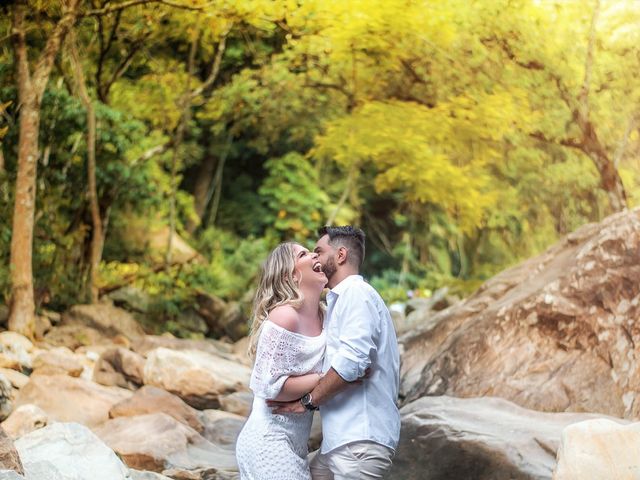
[{"x": 277, "y": 287}]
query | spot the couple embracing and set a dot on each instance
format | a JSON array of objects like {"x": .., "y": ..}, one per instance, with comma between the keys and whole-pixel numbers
[{"x": 342, "y": 360}]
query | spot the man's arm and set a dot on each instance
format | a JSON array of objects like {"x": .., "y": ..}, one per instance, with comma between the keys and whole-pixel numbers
[{"x": 330, "y": 385}]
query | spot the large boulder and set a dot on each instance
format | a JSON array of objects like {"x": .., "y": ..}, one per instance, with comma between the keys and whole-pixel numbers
[
  {"x": 209, "y": 473},
  {"x": 447, "y": 438},
  {"x": 148, "y": 343},
  {"x": 146, "y": 475},
  {"x": 17, "y": 379},
  {"x": 10, "y": 475},
  {"x": 555, "y": 333},
  {"x": 15, "y": 351},
  {"x": 74, "y": 336},
  {"x": 6, "y": 395},
  {"x": 223, "y": 319},
  {"x": 9, "y": 458},
  {"x": 60, "y": 360},
  {"x": 241, "y": 351},
  {"x": 68, "y": 451},
  {"x": 120, "y": 367},
  {"x": 68, "y": 399},
  {"x": 156, "y": 240},
  {"x": 197, "y": 377},
  {"x": 239, "y": 403},
  {"x": 108, "y": 320},
  {"x": 25, "y": 419},
  {"x": 222, "y": 428},
  {"x": 157, "y": 442},
  {"x": 417, "y": 310},
  {"x": 131, "y": 298},
  {"x": 150, "y": 399},
  {"x": 599, "y": 449}
]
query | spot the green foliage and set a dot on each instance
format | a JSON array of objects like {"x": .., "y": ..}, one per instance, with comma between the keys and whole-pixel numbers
[
  {"x": 447, "y": 130},
  {"x": 294, "y": 196}
]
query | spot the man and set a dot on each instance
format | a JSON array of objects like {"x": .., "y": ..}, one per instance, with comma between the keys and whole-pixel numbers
[{"x": 360, "y": 422}]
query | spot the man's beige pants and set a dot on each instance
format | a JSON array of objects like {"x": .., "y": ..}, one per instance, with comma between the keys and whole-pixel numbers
[{"x": 356, "y": 460}]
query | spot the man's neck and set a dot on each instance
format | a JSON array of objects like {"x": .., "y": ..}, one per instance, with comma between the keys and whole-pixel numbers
[{"x": 340, "y": 275}]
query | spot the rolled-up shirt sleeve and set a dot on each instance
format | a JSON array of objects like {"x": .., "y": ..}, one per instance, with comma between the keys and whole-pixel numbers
[{"x": 356, "y": 341}]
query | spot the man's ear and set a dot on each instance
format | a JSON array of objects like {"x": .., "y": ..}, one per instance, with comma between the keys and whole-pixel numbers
[{"x": 342, "y": 255}]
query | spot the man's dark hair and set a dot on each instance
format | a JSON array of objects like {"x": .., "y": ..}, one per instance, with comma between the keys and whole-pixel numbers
[{"x": 351, "y": 238}]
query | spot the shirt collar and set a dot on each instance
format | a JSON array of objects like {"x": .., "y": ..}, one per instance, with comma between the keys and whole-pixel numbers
[{"x": 344, "y": 284}]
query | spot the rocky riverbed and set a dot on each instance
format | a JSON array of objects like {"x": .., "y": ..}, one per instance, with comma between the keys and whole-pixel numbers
[{"x": 533, "y": 377}]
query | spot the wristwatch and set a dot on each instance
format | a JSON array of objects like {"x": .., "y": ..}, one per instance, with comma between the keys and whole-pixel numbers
[{"x": 307, "y": 402}]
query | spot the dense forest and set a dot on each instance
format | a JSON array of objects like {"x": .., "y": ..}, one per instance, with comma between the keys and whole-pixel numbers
[{"x": 461, "y": 136}]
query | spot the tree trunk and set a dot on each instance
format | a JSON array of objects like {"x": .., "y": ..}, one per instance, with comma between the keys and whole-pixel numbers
[
  {"x": 202, "y": 185},
  {"x": 178, "y": 138},
  {"x": 610, "y": 180},
  {"x": 22, "y": 315},
  {"x": 97, "y": 234},
  {"x": 30, "y": 92}
]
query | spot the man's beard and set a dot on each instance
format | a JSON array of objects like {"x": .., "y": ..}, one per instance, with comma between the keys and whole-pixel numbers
[{"x": 329, "y": 268}]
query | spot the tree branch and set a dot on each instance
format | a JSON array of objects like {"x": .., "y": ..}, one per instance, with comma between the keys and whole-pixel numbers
[
  {"x": 20, "y": 45},
  {"x": 47, "y": 57},
  {"x": 133, "y": 3},
  {"x": 215, "y": 68},
  {"x": 511, "y": 55},
  {"x": 122, "y": 67},
  {"x": 152, "y": 152},
  {"x": 565, "y": 142},
  {"x": 622, "y": 146},
  {"x": 583, "y": 96}
]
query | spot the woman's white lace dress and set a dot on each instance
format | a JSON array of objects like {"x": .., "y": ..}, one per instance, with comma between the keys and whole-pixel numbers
[{"x": 270, "y": 446}]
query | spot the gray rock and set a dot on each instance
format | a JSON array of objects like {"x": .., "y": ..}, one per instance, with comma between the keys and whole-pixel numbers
[
  {"x": 68, "y": 451},
  {"x": 17, "y": 348},
  {"x": 106, "y": 319},
  {"x": 197, "y": 377},
  {"x": 68, "y": 399},
  {"x": 150, "y": 399},
  {"x": 119, "y": 367},
  {"x": 447, "y": 438},
  {"x": 24, "y": 419},
  {"x": 6, "y": 393},
  {"x": 222, "y": 428},
  {"x": 10, "y": 475},
  {"x": 599, "y": 449},
  {"x": 148, "y": 343},
  {"x": 60, "y": 360},
  {"x": 74, "y": 336},
  {"x": 239, "y": 403},
  {"x": 9, "y": 457},
  {"x": 223, "y": 319},
  {"x": 157, "y": 442},
  {"x": 130, "y": 298},
  {"x": 201, "y": 474},
  {"x": 146, "y": 475}
]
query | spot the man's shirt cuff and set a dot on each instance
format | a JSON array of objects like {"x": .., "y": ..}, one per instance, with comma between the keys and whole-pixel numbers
[{"x": 348, "y": 366}]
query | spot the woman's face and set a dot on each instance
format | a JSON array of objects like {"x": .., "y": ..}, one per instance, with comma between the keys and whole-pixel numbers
[{"x": 308, "y": 269}]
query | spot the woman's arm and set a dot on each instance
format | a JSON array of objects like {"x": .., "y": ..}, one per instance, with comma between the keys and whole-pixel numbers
[{"x": 296, "y": 387}]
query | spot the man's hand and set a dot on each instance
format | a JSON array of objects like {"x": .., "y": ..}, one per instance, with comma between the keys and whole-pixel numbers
[{"x": 286, "y": 407}]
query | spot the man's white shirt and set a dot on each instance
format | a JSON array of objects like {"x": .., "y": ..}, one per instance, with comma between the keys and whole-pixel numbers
[{"x": 360, "y": 335}]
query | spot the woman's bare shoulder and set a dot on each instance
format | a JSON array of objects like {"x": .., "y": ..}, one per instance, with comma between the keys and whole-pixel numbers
[{"x": 285, "y": 316}]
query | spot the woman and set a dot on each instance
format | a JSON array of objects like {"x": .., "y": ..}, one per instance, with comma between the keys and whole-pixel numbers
[{"x": 288, "y": 343}]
